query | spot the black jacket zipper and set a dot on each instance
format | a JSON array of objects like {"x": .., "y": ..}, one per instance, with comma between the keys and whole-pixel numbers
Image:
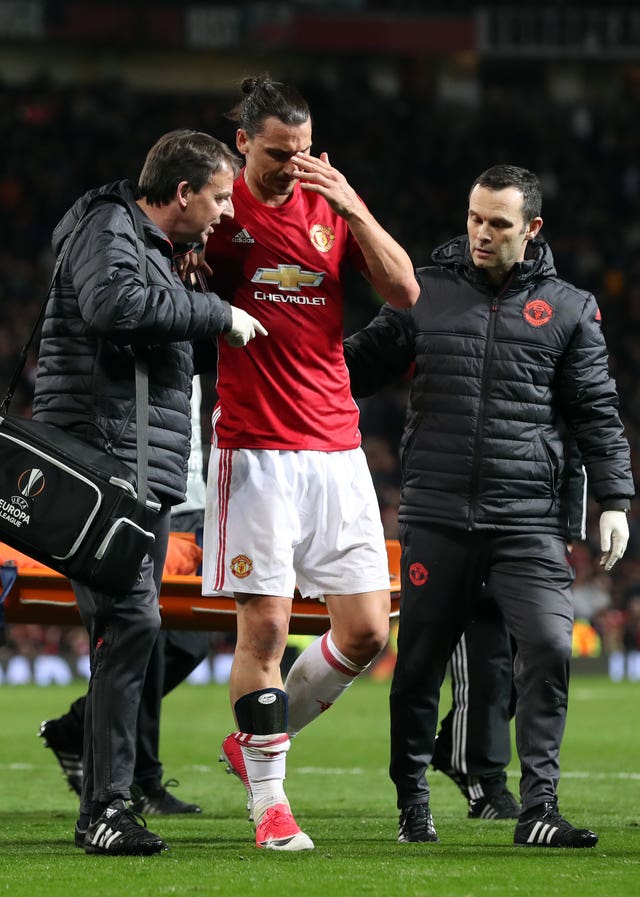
[{"x": 488, "y": 351}]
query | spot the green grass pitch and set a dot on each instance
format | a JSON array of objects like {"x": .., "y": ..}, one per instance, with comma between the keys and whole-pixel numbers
[{"x": 338, "y": 786}]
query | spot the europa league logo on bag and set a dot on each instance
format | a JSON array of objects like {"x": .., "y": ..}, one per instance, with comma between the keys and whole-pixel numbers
[
  {"x": 31, "y": 482},
  {"x": 17, "y": 511}
]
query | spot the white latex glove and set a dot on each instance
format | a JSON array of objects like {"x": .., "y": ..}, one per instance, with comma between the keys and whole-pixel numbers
[
  {"x": 614, "y": 535},
  {"x": 243, "y": 328}
]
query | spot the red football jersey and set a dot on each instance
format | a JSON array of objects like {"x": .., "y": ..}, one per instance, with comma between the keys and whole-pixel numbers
[{"x": 288, "y": 390}]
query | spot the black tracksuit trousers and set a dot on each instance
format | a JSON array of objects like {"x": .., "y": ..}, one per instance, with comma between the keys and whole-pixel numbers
[
  {"x": 175, "y": 656},
  {"x": 443, "y": 573},
  {"x": 474, "y": 738},
  {"x": 122, "y": 634}
]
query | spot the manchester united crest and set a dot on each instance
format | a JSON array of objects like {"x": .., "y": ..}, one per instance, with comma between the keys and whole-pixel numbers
[
  {"x": 418, "y": 574},
  {"x": 537, "y": 312},
  {"x": 241, "y": 566},
  {"x": 322, "y": 237}
]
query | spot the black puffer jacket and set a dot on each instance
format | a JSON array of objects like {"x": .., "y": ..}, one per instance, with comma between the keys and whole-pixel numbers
[
  {"x": 101, "y": 314},
  {"x": 497, "y": 380}
]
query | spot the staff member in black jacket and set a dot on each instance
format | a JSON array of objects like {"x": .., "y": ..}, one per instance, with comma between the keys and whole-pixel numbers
[
  {"x": 112, "y": 303},
  {"x": 506, "y": 355}
]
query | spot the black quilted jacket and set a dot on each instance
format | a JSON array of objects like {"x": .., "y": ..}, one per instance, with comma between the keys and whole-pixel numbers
[
  {"x": 101, "y": 314},
  {"x": 498, "y": 380}
]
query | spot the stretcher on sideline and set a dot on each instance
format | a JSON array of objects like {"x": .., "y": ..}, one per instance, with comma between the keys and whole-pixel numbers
[{"x": 40, "y": 595}]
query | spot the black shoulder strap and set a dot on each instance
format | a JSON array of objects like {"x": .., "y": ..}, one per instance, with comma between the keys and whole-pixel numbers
[{"x": 4, "y": 407}]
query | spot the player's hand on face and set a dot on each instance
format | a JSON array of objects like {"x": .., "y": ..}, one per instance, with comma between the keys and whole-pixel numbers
[{"x": 317, "y": 175}]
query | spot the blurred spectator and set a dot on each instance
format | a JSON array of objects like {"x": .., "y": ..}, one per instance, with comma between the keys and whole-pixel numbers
[{"x": 591, "y": 587}]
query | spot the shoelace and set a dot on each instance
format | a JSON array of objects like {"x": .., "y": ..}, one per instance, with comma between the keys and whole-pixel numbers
[
  {"x": 419, "y": 813},
  {"x": 129, "y": 815},
  {"x": 555, "y": 817},
  {"x": 158, "y": 794},
  {"x": 418, "y": 818},
  {"x": 171, "y": 783}
]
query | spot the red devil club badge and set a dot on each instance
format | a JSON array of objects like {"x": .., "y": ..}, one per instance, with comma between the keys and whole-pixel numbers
[
  {"x": 537, "y": 312},
  {"x": 418, "y": 574}
]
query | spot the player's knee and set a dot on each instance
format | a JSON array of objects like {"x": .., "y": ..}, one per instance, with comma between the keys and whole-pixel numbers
[
  {"x": 363, "y": 643},
  {"x": 267, "y": 638},
  {"x": 379, "y": 636}
]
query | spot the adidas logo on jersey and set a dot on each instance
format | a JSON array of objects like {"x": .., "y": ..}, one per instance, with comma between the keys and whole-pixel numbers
[{"x": 243, "y": 236}]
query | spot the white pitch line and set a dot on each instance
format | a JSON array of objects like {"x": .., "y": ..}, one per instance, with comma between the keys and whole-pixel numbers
[
  {"x": 570, "y": 774},
  {"x": 358, "y": 771}
]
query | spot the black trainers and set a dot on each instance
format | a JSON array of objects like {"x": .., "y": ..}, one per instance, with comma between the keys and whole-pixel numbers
[
  {"x": 159, "y": 802},
  {"x": 416, "y": 824},
  {"x": 121, "y": 832},
  {"x": 67, "y": 753},
  {"x": 501, "y": 804},
  {"x": 543, "y": 826}
]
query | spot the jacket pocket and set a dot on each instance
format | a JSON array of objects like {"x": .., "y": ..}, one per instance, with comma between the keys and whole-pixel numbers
[
  {"x": 118, "y": 426},
  {"x": 554, "y": 464}
]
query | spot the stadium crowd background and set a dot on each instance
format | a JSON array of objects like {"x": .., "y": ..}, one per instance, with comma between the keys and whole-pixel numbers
[{"x": 411, "y": 143}]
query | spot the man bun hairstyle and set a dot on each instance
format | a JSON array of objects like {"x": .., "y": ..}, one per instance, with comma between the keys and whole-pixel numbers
[{"x": 265, "y": 98}]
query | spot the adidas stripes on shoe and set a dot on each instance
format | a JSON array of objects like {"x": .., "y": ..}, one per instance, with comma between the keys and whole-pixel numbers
[
  {"x": 500, "y": 804},
  {"x": 121, "y": 832},
  {"x": 543, "y": 826}
]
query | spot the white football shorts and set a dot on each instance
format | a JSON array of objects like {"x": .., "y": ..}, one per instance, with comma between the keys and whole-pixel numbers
[{"x": 276, "y": 519}]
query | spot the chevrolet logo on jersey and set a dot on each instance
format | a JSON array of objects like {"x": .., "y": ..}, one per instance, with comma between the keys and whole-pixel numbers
[{"x": 288, "y": 277}]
